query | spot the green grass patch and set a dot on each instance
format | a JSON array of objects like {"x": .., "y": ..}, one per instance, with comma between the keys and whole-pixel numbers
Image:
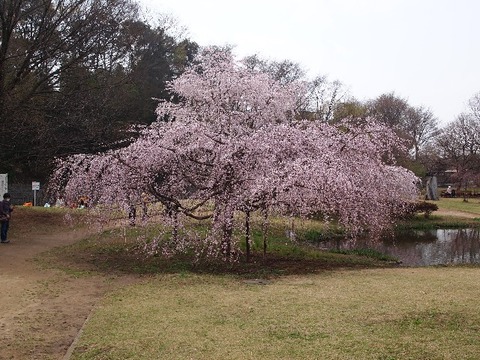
[
  {"x": 429, "y": 313},
  {"x": 371, "y": 253},
  {"x": 435, "y": 221},
  {"x": 120, "y": 250},
  {"x": 419, "y": 222},
  {"x": 472, "y": 206}
]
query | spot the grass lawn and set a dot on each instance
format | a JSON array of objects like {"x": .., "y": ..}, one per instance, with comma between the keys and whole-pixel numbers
[
  {"x": 421, "y": 313},
  {"x": 457, "y": 204},
  {"x": 449, "y": 215},
  {"x": 300, "y": 303}
]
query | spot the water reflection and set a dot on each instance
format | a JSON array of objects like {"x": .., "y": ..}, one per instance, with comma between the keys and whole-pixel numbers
[{"x": 422, "y": 248}]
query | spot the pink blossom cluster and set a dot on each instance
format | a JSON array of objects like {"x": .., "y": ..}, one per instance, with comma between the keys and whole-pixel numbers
[{"x": 234, "y": 142}]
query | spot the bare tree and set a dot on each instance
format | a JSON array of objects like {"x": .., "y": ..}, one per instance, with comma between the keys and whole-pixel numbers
[
  {"x": 324, "y": 97},
  {"x": 417, "y": 125},
  {"x": 389, "y": 109},
  {"x": 75, "y": 75},
  {"x": 284, "y": 71},
  {"x": 459, "y": 146},
  {"x": 420, "y": 126},
  {"x": 41, "y": 42},
  {"x": 41, "y": 39},
  {"x": 474, "y": 105}
]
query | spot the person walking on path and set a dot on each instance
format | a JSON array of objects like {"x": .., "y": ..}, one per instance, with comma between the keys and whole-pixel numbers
[{"x": 6, "y": 209}]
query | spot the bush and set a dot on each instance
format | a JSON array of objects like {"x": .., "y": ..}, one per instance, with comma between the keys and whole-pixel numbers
[{"x": 419, "y": 207}]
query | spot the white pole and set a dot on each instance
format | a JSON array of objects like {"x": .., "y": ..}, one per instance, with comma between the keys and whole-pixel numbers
[{"x": 3, "y": 184}]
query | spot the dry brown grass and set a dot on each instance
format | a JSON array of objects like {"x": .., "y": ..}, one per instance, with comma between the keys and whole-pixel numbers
[{"x": 429, "y": 313}]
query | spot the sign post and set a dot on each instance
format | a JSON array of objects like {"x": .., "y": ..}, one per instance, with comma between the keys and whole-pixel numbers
[{"x": 35, "y": 188}]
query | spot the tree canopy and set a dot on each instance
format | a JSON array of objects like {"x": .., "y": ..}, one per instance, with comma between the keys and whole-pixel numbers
[{"x": 75, "y": 75}]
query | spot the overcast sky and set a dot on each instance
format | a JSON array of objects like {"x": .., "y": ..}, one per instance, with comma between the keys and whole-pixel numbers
[{"x": 426, "y": 51}]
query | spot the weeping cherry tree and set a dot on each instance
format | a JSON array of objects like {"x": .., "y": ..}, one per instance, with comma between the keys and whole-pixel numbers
[{"x": 232, "y": 143}]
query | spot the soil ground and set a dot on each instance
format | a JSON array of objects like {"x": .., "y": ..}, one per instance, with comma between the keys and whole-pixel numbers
[{"x": 43, "y": 309}]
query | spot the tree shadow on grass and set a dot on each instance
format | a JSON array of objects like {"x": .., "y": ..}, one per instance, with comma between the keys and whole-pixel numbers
[{"x": 114, "y": 257}]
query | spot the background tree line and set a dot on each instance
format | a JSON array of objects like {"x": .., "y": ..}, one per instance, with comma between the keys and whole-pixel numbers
[
  {"x": 76, "y": 76},
  {"x": 433, "y": 150}
]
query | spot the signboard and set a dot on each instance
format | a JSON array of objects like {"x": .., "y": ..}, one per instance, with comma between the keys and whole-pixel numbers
[
  {"x": 35, "y": 188},
  {"x": 3, "y": 184}
]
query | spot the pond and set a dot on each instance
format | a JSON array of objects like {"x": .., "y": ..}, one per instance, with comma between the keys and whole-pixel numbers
[{"x": 422, "y": 247}]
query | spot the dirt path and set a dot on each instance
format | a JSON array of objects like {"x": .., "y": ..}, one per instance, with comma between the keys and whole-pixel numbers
[
  {"x": 455, "y": 213},
  {"x": 42, "y": 309}
]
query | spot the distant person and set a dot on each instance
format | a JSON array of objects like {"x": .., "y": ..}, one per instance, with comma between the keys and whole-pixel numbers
[
  {"x": 81, "y": 204},
  {"x": 60, "y": 202},
  {"x": 449, "y": 191},
  {"x": 6, "y": 209}
]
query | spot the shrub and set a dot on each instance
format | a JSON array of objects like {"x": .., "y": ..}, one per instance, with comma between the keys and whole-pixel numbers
[{"x": 420, "y": 207}]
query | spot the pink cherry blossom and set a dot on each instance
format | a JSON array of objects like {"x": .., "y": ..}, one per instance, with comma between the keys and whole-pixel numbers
[{"x": 234, "y": 143}]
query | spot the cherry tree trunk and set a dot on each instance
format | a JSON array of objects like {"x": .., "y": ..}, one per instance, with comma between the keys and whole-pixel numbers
[
  {"x": 247, "y": 235},
  {"x": 265, "y": 229},
  {"x": 223, "y": 223}
]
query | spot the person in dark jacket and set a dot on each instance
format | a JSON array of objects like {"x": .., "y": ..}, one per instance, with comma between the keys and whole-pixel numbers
[{"x": 6, "y": 209}]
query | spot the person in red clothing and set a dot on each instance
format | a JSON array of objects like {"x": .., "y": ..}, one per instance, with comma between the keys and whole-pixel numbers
[{"x": 6, "y": 209}]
